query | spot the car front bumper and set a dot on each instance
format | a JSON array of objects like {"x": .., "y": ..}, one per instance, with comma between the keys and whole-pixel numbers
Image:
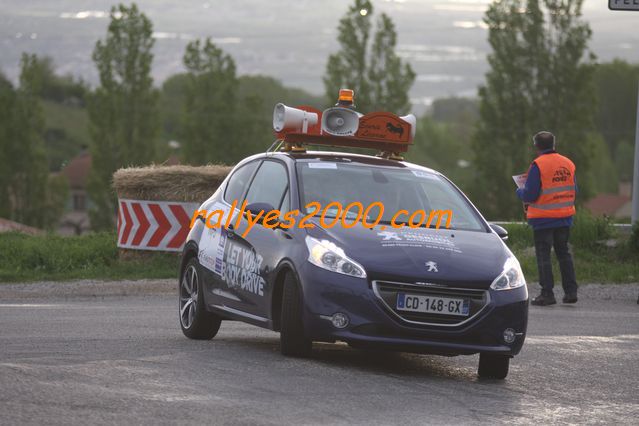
[{"x": 372, "y": 323}]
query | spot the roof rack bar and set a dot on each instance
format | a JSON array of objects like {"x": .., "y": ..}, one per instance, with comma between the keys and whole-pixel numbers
[
  {"x": 294, "y": 141},
  {"x": 274, "y": 146}
]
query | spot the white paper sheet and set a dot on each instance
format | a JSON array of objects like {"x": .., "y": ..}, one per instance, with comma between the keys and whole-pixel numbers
[{"x": 520, "y": 180}]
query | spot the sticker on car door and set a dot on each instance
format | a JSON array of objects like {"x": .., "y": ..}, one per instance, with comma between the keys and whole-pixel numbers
[
  {"x": 242, "y": 268},
  {"x": 212, "y": 247},
  {"x": 212, "y": 244}
]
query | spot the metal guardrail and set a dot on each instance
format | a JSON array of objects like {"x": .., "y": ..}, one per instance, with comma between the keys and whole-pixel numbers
[{"x": 623, "y": 228}]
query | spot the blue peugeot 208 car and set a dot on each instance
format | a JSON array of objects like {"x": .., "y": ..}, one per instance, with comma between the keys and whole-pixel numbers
[{"x": 381, "y": 282}]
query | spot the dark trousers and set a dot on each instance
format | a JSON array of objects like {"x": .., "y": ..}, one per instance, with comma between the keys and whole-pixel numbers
[{"x": 545, "y": 239}]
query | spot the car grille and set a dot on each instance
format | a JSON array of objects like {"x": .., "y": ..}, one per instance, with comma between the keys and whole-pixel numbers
[{"x": 387, "y": 291}]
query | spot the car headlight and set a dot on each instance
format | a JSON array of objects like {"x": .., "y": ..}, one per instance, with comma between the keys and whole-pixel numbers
[
  {"x": 328, "y": 255},
  {"x": 511, "y": 277}
]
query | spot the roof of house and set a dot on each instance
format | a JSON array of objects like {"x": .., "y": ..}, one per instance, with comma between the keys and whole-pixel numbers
[
  {"x": 77, "y": 170},
  {"x": 173, "y": 160},
  {"x": 607, "y": 204},
  {"x": 7, "y": 225}
]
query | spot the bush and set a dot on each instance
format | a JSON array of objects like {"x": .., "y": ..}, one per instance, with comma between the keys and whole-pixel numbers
[
  {"x": 594, "y": 262},
  {"x": 633, "y": 242},
  {"x": 519, "y": 235},
  {"x": 587, "y": 230}
]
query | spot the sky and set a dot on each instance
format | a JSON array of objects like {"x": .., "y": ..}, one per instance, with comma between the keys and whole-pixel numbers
[{"x": 444, "y": 40}]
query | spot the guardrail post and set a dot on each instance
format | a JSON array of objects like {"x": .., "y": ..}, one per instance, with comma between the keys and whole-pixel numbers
[{"x": 635, "y": 179}]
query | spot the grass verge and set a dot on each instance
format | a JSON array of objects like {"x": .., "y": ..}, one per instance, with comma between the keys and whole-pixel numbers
[
  {"x": 595, "y": 262},
  {"x": 91, "y": 256},
  {"x": 95, "y": 256}
]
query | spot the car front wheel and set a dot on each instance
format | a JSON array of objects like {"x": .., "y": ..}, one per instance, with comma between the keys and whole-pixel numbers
[
  {"x": 493, "y": 366},
  {"x": 196, "y": 322},
  {"x": 292, "y": 338}
]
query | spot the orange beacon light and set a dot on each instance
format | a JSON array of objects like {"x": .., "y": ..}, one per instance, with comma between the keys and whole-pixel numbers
[{"x": 346, "y": 98}]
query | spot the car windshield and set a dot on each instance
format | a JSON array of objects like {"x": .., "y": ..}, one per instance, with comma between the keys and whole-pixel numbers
[{"x": 396, "y": 188}]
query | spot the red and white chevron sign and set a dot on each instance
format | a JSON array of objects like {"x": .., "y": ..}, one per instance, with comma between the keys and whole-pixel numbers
[{"x": 154, "y": 225}]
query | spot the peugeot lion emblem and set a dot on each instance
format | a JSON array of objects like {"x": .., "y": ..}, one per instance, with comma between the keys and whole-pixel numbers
[{"x": 432, "y": 266}]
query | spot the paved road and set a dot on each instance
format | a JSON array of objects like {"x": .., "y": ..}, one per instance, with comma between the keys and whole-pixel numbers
[{"x": 124, "y": 360}]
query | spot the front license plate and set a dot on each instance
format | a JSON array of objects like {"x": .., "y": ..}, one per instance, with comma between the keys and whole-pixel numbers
[{"x": 433, "y": 304}]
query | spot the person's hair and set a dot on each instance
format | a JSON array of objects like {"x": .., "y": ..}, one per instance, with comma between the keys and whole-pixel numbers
[{"x": 544, "y": 140}]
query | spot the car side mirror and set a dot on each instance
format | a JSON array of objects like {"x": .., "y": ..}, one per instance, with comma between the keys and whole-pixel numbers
[
  {"x": 499, "y": 230},
  {"x": 256, "y": 208}
]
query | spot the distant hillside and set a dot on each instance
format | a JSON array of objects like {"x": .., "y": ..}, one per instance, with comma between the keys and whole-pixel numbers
[
  {"x": 272, "y": 91},
  {"x": 267, "y": 90},
  {"x": 67, "y": 125},
  {"x": 67, "y": 130}
]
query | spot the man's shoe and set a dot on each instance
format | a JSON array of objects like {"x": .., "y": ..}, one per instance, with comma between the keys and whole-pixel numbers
[
  {"x": 570, "y": 298},
  {"x": 544, "y": 300}
]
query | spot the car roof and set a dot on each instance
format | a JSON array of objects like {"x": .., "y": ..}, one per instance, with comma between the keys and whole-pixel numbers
[{"x": 348, "y": 156}]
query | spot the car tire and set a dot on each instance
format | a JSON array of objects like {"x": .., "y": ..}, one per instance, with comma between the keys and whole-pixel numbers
[
  {"x": 493, "y": 366},
  {"x": 293, "y": 341},
  {"x": 196, "y": 322}
]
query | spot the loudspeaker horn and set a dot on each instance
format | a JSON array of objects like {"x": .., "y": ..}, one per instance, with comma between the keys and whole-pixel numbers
[
  {"x": 294, "y": 119},
  {"x": 340, "y": 121},
  {"x": 412, "y": 120}
]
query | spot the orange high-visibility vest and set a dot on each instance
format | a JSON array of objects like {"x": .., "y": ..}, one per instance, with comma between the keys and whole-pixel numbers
[{"x": 557, "y": 196}]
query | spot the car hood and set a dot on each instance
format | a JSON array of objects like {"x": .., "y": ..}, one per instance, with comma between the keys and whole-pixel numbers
[{"x": 468, "y": 258}]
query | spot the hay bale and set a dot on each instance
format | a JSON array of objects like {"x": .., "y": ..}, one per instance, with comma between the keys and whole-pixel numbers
[{"x": 169, "y": 183}]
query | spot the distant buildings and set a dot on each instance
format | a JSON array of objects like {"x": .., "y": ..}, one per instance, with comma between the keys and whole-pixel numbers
[
  {"x": 7, "y": 225},
  {"x": 75, "y": 220},
  {"x": 617, "y": 206}
]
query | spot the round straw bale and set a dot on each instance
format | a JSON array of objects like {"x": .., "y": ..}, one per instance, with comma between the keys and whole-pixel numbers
[{"x": 169, "y": 183}]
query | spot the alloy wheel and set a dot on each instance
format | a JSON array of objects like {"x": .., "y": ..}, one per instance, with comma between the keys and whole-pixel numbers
[{"x": 188, "y": 296}]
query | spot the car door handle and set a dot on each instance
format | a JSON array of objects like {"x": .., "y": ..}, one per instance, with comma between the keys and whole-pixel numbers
[{"x": 230, "y": 231}]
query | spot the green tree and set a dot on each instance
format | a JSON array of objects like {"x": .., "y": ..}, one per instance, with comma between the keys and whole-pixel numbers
[
  {"x": 123, "y": 110},
  {"x": 604, "y": 176},
  {"x": 455, "y": 109},
  {"x": 272, "y": 91},
  {"x": 171, "y": 103},
  {"x": 56, "y": 199},
  {"x": 63, "y": 104},
  {"x": 369, "y": 65},
  {"x": 62, "y": 89},
  {"x": 256, "y": 95},
  {"x": 7, "y": 103},
  {"x": 437, "y": 146},
  {"x": 459, "y": 115},
  {"x": 624, "y": 160},
  {"x": 616, "y": 84},
  {"x": 25, "y": 170},
  {"x": 209, "y": 121},
  {"x": 540, "y": 78},
  {"x": 255, "y": 131}
]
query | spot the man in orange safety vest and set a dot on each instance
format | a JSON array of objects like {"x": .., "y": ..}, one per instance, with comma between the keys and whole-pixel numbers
[{"x": 549, "y": 193}]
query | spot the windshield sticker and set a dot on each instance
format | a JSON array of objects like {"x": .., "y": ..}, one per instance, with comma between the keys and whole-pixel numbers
[
  {"x": 322, "y": 165},
  {"x": 417, "y": 239},
  {"x": 423, "y": 174}
]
